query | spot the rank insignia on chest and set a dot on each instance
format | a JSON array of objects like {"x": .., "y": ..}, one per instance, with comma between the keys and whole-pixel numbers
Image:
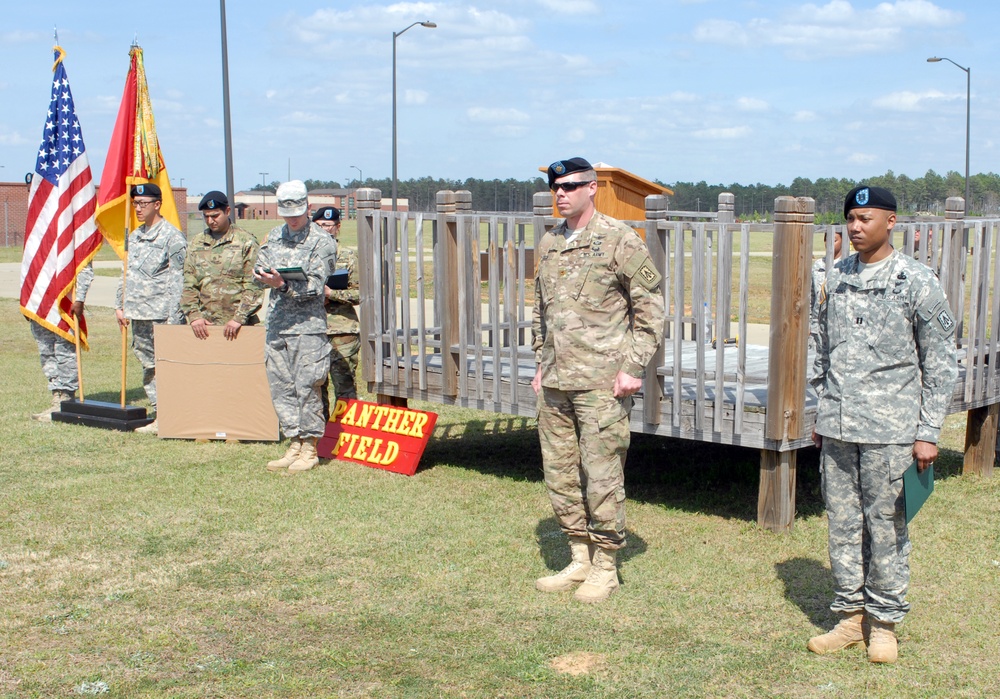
[{"x": 859, "y": 321}]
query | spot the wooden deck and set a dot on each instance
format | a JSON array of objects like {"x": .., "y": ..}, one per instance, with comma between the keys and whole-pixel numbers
[{"x": 446, "y": 304}]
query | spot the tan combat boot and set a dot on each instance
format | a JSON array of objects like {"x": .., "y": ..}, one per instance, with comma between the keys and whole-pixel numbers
[
  {"x": 882, "y": 645},
  {"x": 289, "y": 458},
  {"x": 602, "y": 580},
  {"x": 307, "y": 457},
  {"x": 151, "y": 428},
  {"x": 57, "y": 398},
  {"x": 573, "y": 574},
  {"x": 848, "y": 632}
]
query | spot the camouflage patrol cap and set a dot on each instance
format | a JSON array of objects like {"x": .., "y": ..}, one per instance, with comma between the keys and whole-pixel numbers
[
  {"x": 561, "y": 168},
  {"x": 326, "y": 213},
  {"x": 865, "y": 197},
  {"x": 292, "y": 198},
  {"x": 147, "y": 189},
  {"x": 213, "y": 200}
]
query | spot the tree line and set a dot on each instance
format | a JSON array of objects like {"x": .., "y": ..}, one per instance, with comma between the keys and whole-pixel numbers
[{"x": 926, "y": 194}]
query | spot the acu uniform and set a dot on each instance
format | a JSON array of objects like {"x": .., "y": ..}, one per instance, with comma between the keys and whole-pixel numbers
[
  {"x": 598, "y": 311},
  {"x": 344, "y": 328},
  {"x": 150, "y": 294},
  {"x": 297, "y": 355},
  {"x": 884, "y": 372}
]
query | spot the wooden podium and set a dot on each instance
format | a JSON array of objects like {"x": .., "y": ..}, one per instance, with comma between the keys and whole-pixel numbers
[{"x": 620, "y": 194}]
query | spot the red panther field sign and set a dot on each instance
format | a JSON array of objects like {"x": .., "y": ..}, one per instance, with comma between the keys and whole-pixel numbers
[{"x": 380, "y": 436}]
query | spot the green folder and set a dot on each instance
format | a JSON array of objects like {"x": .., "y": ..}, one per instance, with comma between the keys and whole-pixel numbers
[
  {"x": 917, "y": 487},
  {"x": 291, "y": 274}
]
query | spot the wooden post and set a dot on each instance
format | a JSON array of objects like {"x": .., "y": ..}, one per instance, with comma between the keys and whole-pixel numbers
[
  {"x": 368, "y": 202},
  {"x": 446, "y": 288},
  {"x": 463, "y": 201},
  {"x": 953, "y": 276},
  {"x": 652, "y": 388},
  {"x": 980, "y": 440},
  {"x": 727, "y": 208},
  {"x": 786, "y": 391}
]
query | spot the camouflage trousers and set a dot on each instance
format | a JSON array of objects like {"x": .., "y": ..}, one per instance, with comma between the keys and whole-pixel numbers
[
  {"x": 297, "y": 366},
  {"x": 584, "y": 437},
  {"x": 58, "y": 357},
  {"x": 344, "y": 351},
  {"x": 142, "y": 348},
  {"x": 869, "y": 544}
]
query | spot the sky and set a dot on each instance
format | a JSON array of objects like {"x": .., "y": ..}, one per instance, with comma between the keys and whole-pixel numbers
[{"x": 673, "y": 90}]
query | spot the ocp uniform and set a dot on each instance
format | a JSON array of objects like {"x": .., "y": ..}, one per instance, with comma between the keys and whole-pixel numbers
[
  {"x": 597, "y": 311},
  {"x": 218, "y": 278},
  {"x": 344, "y": 328},
  {"x": 884, "y": 372}
]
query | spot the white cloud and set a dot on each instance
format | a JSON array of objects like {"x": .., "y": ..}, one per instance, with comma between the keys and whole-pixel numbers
[
  {"x": 415, "y": 97},
  {"x": 572, "y": 7},
  {"x": 861, "y": 158},
  {"x": 804, "y": 115},
  {"x": 576, "y": 136},
  {"x": 301, "y": 117},
  {"x": 496, "y": 114},
  {"x": 906, "y": 101},
  {"x": 752, "y": 104},
  {"x": 722, "y": 133},
  {"x": 9, "y": 137},
  {"x": 834, "y": 28}
]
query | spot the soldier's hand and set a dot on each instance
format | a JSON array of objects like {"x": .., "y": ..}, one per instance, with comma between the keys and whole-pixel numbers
[
  {"x": 231, "y": 330},
  {"x": 924, "y": 454},
  {"x": 536, "y": 383},
  {"x": 77, "y": 309},
  {"x": 626, "y": 385},
  {"x": 122, "y": 320},
  {"x": 817, "y": 439},
  {"x": 200, "y": 328}
]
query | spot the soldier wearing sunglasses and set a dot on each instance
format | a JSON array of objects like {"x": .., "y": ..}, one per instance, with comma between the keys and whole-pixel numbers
[{"x": 597, "y": 321}]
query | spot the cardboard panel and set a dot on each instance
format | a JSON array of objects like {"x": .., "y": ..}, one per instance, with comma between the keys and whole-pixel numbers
[{"x": 214, "y": 388}]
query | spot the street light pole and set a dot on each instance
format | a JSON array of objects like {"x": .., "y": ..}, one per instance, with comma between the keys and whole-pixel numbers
[
  {"x": 968, "y": 112},
  {"x": 429, "y": 25},
  {"x": 263, "y": 195},
  {"x": 361, "y": 175}
]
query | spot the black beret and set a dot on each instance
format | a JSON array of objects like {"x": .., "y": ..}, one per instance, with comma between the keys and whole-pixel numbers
[
  {"x": 327, "y": 213},
  {"x": 565, "y": 167},
  {"x": 865, "y": 197},
  {"x": 213, "y": 200},
  {"x": 146, "y": 190}
]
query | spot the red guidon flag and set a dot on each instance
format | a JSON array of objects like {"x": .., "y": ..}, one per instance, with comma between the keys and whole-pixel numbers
[
  {"x": 134, "y": 157},
  {"x": 60, "y": 237}
]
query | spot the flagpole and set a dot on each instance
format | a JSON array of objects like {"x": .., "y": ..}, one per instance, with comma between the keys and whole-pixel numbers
[
  {"x": 128, "y": 219},
  {"x": 76, "y": 340}
]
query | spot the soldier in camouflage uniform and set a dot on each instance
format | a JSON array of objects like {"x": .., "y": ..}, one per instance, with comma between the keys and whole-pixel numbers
[
  {"x": 218, "y": 273},
  {"x": 297, "y": 356},
  {"x": 884, "y": 372},
  {"x": 818, "y": 277},
  {"x": 150, "y": 293},
  {"x": 342, "y": 325},
  {"x": 58, "y": 355},
  {"x": 597, "y": 321}
]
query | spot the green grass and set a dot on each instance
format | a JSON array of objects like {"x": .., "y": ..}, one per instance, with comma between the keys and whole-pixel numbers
[{"x": 165, "y": 568}]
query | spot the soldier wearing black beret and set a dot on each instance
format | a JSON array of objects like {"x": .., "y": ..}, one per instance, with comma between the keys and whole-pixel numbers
[{"x": 218, "y": 273}]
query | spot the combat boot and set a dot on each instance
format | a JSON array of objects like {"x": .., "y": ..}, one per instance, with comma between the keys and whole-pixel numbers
[
  {"x": 575, "y": 573},
  {"x": 58, "y": 397},
  {"x": 307, "y": 457},
  {"x": 848, "y": 632},
  {"x": 294, "y": 447},
  {"x": 151, "y": 428},
  {"x": 882, "y": 645},
  {"x": 602, "y": 580}
]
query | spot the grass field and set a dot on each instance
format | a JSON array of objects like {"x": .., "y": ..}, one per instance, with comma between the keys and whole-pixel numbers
[{"x": 137, "y": 567}]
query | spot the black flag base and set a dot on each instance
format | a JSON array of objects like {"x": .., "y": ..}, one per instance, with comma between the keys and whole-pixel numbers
[{"x": 95, "y": 413}]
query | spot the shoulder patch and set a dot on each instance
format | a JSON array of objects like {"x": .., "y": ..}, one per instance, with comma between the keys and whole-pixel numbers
[{"x": 945, "y": 320}]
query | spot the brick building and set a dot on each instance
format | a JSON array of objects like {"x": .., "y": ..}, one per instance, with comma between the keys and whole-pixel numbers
[{"x": 14, "y": 211}]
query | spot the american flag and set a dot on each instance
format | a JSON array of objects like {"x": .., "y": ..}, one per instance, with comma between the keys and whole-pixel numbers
[{"x": 61, "y": 237}]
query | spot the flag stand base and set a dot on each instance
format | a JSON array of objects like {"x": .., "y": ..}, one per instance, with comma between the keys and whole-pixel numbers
[{"x": 95, "y": 413}]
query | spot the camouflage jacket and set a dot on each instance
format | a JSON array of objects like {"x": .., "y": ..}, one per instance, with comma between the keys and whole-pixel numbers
[
  {"x": 218, "y": 278},
  {"x": 83, "y": 281},
  {"x": 299, "y": 310},
  {"x": 885, "y": 354},
  {"x": 598, "y": 307},
  {"x": 342, "y": 317},
  {"x": 155, "y": 276}
]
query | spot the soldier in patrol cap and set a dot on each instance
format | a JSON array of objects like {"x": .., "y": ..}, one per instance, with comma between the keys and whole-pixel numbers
[
  {"x": 219, "y": 288},
  {"x": 884, "y": 373},
  {"x": 150, "y": 293},
  {"x": 297, "y": 355},
  {"x": 597, "y": 321},
  {"x": 343, "y": 327}
]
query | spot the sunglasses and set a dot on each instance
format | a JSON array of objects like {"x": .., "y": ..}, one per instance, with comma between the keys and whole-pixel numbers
[{"x": 569, "y": 186}]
